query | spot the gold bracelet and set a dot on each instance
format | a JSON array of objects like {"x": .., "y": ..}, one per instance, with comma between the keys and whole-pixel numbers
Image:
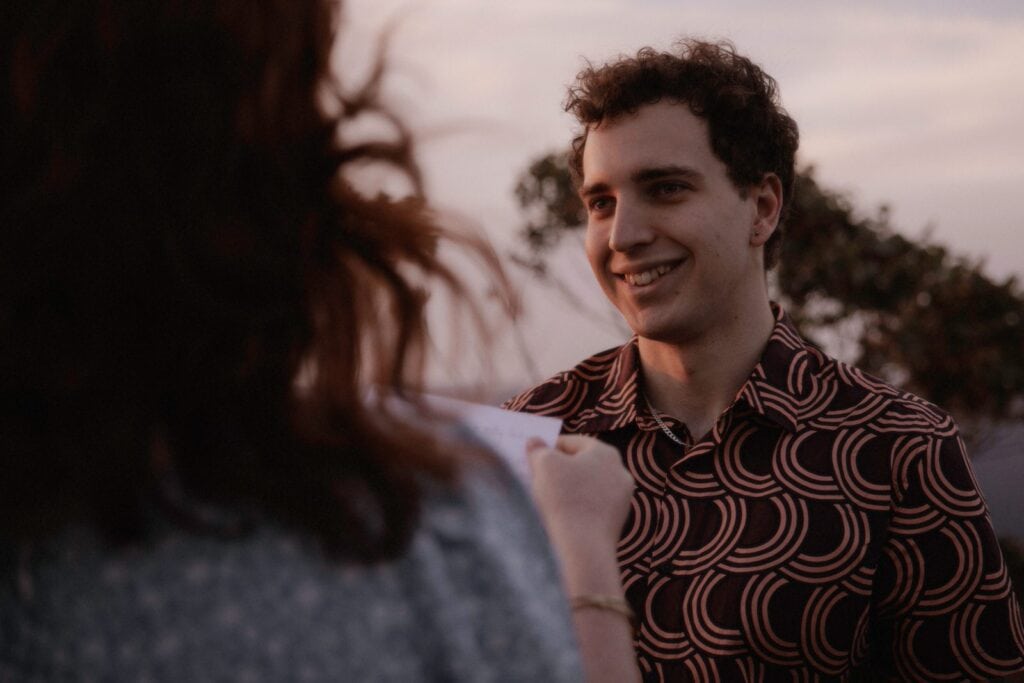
[{"x": 605, "y": 602}]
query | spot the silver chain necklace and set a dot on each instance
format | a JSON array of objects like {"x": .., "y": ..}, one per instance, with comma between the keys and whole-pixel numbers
[{"x": 661, "y": 423}]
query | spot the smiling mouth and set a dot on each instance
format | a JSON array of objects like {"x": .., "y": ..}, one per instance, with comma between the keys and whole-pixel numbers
[{"x": 646, "y": 277}]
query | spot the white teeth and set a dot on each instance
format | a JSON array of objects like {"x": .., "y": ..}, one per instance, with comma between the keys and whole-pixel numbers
[{"x": 646, "y": 277}]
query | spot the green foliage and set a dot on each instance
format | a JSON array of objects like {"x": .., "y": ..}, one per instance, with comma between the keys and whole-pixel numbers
[
  {"x": 549, "y": 201},
  {"x": 931, "y": 321},
  {"x": 927, "y": 320}
]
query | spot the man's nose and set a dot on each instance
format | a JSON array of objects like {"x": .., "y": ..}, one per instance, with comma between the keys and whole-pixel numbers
[{"x": 630, "y": 228}]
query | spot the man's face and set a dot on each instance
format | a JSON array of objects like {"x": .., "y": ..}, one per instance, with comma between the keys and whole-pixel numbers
[{"x": 672, "y": 242}]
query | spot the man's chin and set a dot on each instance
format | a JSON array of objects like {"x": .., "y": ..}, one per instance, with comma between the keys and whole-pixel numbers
[{"x": 665, "y": 333}]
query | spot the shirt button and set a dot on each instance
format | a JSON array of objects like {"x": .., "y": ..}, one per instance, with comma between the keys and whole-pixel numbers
[{"x": 664, "y": 568}]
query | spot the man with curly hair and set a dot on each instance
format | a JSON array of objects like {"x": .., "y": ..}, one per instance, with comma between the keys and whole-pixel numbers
[{"x": 794, "y": 518}]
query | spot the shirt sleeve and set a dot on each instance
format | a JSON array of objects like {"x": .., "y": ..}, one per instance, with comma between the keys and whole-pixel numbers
[{"x": 945, "y": 607}]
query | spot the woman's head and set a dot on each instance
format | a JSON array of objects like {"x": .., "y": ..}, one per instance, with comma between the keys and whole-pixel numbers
[{"x": 182, "y": 260}]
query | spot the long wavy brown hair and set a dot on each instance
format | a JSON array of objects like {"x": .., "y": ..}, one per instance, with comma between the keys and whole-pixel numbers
[{"x": 190, "y": 285}]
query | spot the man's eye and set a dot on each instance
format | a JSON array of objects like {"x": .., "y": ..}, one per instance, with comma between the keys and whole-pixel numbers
[
  {"x": 600, "y": 204},
  {"x": 668, "y": 189}
]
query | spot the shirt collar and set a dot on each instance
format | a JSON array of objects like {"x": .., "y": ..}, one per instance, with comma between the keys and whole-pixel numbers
[
  {"x": 617, "y": 387},
  {"x": 782, "y": 382},
  {"x": 785, "y": 379}
]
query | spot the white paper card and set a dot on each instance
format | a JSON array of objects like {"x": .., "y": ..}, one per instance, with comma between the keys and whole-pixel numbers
[{"x": 506, "y": 432}]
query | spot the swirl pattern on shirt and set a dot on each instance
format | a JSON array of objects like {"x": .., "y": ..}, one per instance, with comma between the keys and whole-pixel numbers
[{"x": 828, "y": 524}]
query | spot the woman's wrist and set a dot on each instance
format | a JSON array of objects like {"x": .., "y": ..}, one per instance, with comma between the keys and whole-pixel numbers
[{"x": 589, "y": 568}]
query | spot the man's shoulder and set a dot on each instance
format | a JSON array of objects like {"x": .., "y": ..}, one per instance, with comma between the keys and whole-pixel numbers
[
  {"x": 889, "y": 408},
  {"x": 566, "y": 393},
  {"x": 798, "y": 381}
]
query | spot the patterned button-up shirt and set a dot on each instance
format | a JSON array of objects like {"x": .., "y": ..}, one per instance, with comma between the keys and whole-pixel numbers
[{"x": 827, "y": 527}]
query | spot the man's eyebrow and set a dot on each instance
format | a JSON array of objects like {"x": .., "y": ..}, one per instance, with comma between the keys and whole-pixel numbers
[
  {"x": 644, "y": 175},
  {"x": 596, "y": 188},
  {"x": 647, "y": 174}
]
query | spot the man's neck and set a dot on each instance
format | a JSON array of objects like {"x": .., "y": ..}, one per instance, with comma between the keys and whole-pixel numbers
[{"x": 698, "y": 380}]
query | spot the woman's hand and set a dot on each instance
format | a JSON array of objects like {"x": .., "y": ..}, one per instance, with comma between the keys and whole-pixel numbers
[
  {"x": 582, "y": 490},
  {"x": 583, "y": 493}
]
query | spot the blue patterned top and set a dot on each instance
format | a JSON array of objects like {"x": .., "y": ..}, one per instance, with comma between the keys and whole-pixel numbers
[{"x": 475, "y": 598}]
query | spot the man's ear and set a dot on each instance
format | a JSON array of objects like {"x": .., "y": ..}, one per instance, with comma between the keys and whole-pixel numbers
[{"x": 767, "y": 207}]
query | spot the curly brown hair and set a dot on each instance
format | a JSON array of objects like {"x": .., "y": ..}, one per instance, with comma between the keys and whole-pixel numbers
[
  {"x": 750, "y": 131},
  {"x": 188, "y": 282}
]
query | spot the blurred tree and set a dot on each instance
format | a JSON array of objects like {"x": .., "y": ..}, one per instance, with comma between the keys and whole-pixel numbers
[{"x": 919, "y": 317}]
